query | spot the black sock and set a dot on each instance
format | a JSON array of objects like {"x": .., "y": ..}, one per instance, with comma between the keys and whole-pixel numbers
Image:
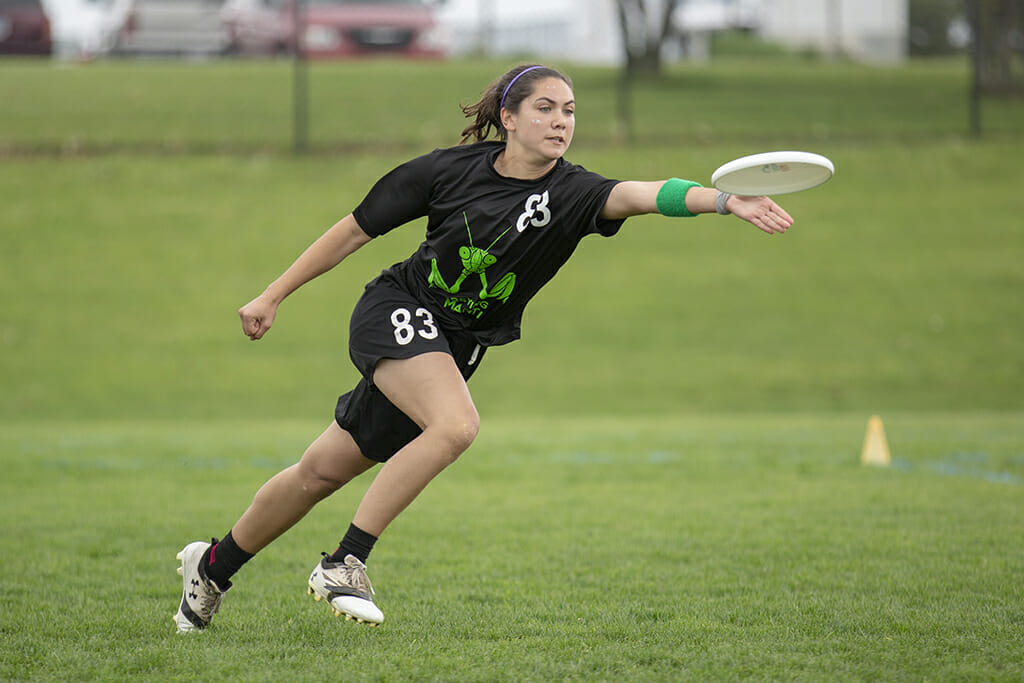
[
  {"x": 223, "y": 559},
  {"x": 356, "y": 542}
]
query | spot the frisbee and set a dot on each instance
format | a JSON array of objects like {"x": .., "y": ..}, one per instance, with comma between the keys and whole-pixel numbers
[{"x": 772, "y": 173}]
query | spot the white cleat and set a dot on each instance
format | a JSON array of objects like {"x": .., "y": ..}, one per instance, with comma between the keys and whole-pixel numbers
[
  {"x": 347, "y": 589},
  {"x": 200, "y": 597}
]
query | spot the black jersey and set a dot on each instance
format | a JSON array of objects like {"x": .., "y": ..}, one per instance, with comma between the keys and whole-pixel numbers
[{"x": 492, "y": 242}]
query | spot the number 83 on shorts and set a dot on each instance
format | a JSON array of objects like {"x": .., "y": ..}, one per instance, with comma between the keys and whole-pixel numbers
[{"x": 408, "y": 325}]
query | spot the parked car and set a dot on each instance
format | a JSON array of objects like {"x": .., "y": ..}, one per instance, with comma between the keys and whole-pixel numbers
[
  {"x": 24, "y": 28},
  {"x": 83, "y": 29},
  {"x": 173, "y": 27},
  {"x": 258, "y": 27},
  {"x": 337, "y": 28}
]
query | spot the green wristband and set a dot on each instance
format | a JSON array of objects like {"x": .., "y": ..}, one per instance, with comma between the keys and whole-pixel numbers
[{"x": 671, "y": 199}]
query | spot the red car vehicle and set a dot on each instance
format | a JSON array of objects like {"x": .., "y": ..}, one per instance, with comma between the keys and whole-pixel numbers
[
  {"x": 336, "y": 28},
  {"x": 24, "y": 28}
]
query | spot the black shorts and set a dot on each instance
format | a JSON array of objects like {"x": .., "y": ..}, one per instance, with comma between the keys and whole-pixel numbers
[{"x": 389, "y": 323}]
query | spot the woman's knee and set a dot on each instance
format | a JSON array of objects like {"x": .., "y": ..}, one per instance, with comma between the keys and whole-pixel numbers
[
  {"x": 317, "y": 481},
  {"x": 330, "y": 462},
  {"x": 457, "y": 431},
  {"x": 431, "y": 391}
]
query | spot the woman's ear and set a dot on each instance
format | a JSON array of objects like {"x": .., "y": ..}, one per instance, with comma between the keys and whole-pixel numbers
[{"x": 508, "y": 119}]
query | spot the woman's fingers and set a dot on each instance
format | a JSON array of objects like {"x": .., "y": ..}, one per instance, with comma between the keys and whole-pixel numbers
[{"x": 768, "y": 216}]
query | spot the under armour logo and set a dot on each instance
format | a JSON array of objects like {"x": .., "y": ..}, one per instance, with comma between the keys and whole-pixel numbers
[{"x": 536, "y": 214}]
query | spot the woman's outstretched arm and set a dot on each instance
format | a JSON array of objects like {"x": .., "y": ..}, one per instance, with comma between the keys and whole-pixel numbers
[
  {"x": 634, "y": 198},
  {"x": 340, "y": 240}
]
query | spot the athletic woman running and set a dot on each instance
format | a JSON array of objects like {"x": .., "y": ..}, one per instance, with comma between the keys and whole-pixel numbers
[{"x": 503, "y": 216}]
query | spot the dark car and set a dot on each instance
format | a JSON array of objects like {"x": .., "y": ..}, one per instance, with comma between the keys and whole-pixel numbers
[
  {"x": 24, "y": 28},
  {"x": 337, "y": 28}
]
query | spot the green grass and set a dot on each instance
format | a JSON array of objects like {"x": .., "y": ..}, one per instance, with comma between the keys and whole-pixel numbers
[
  {"x": 894, "y": 291},
  {"x": 374, "y": 105},
  {"x": 667, "y": 482},
  {"x": 556, "y": 549}
]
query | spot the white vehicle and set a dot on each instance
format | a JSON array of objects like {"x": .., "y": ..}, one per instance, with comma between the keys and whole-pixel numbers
[
  {"x": 82, "y": 29},
  {"x": 173, "y": 27}
]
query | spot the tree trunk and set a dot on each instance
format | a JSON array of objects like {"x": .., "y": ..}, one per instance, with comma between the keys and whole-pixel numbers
[
  {"x": 646, "y": 63},
  {"x": 997, "y": 27},
  {"x": 642, "y": 37}
]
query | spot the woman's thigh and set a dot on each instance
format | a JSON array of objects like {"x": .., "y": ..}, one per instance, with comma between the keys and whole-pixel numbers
[
  {"x": 429, "y": 388},
  {"x": 334, "y": 456}
]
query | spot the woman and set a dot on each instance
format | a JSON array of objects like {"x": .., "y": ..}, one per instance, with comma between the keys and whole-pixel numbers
[{"x": 503, "y": 216}]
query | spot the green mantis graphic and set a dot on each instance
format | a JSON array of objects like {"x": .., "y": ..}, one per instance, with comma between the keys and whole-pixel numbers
[{"x": 474, "y": 262}]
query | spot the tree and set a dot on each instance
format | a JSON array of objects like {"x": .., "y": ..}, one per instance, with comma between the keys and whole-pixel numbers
[
  {"x": 997, "y": 52},
  {"x": 930, "y": 22},
  {"x": 645, "y": 25},
  {"x": 998, "y": 29}
]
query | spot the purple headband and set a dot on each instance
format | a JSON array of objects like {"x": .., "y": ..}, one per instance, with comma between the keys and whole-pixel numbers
[{"x": 504, "y": 94}]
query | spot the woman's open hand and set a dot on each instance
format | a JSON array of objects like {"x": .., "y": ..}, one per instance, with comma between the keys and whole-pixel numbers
[{"x": 761, "y": 212}]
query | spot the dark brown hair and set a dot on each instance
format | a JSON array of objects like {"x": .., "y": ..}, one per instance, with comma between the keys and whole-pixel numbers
[{"x": 508, "y": 92}]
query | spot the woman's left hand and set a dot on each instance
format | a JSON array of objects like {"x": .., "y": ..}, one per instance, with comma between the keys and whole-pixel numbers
[{"x": 761, "y": 212}]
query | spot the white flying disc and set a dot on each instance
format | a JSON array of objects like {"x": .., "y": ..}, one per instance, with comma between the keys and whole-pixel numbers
[{"x": 772, "y": 173}]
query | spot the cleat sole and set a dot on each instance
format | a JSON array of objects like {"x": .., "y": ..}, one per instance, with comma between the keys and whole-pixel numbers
[{"x": 338, "y": 613}]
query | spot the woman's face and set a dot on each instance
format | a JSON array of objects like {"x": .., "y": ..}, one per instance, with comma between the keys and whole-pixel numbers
[{"x": 545, "y": 121}]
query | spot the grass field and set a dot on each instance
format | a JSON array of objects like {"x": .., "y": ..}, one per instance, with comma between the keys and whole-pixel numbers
[
  {"x": 667, "y": 483},
  {"x": 557, "y": 549},
  {"x": 369, "y": 106},
  {"x": 895, "y": 290}
]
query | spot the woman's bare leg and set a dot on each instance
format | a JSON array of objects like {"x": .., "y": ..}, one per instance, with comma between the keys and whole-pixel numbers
[
  {"x": 329, "y": 463},
  {"x": 429, "y": 389}
]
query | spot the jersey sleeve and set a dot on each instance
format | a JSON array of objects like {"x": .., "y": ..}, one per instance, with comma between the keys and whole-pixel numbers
[
  {"x": 590, "y": 192},
  {"x": 399, "y": 197}
]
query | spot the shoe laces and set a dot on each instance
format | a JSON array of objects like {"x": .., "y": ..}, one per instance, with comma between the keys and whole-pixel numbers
[
  {"x": 209, "y": 600},
  {"x": 351, "y": 572},
  {"x": 209, "y": 595}
]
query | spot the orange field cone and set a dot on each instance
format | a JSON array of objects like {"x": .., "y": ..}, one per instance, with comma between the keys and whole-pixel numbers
[{"x": 876, "y": 449}]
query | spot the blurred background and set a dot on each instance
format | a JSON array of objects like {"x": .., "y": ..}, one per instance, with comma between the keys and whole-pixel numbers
[
  {"x": 682, "y": 418},
  {"x": 161, "y": 161},
  {"x": 636, "y": 37},
  {"x": 578, "y": 31},
  {"x": 639, "y": 39}
]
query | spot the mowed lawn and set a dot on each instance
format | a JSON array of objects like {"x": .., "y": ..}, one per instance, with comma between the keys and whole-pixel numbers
[
  {"x": 895, "y": 290},
  {"x": 667, "y": 484},
  {"x": 556, "y": 549},
  {"x": 370, "y": 106}
]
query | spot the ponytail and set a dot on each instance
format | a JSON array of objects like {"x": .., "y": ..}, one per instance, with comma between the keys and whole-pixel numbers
[{"x": 506, "y": 92}]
